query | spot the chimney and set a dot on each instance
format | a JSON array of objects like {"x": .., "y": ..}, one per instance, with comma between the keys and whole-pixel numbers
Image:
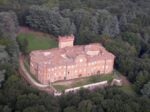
[{"x": 66, "y": 41}]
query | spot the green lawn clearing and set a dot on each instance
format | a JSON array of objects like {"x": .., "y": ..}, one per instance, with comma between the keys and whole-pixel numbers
[
  {"x": 37, "y": 42},
  {"x": 83, "y": 81}
]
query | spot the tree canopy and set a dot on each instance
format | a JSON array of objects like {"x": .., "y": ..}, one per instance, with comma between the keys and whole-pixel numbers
[{"x": 122, "y": 26}]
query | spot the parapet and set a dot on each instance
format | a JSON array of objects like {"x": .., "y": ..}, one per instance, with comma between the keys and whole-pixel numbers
[
  {"x": 66, "y": 41},
  {"x": 66, "y": 38}
]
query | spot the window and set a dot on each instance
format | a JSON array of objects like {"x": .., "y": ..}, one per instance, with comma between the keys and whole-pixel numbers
[
  {"x": 106, "y": 66},
  {"x": 31, "y": 64},
  {"x": 109, "y": 61},
  {"x": 103, "y": 66},
  {"x": 81, "y": 60}
]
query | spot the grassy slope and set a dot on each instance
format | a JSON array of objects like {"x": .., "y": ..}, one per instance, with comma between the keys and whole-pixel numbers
[
  {"x": 85, "y": 81},
  {"x": 37, "y": 42}
]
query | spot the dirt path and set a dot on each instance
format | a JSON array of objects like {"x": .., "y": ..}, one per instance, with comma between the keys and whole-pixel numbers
[
  {"x": 24, "y": 73},
  {"x": 28, "y": 75}
]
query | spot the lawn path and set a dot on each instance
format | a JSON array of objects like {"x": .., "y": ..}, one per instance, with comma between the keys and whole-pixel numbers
[{"x": 24, "y": 73}]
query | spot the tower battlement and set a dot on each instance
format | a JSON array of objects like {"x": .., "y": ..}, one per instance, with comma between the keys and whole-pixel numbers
[{"x": 66, "y": 41}]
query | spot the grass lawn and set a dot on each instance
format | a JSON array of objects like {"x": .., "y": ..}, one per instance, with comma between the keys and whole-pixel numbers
[
  {"x": 37, "y": 42},
  {"x": 60, "y": 88},
  {"x": 128, "y": 89},
  {"x": 84, "y": 81}
]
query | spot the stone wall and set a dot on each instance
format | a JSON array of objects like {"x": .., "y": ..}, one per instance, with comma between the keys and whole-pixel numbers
[
  {"x": 102, "y": 84},
  {"x": 89, "y": 86}
]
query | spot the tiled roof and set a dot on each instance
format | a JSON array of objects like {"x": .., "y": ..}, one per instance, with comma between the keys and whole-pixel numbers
[{"x": 67, "y": 55}]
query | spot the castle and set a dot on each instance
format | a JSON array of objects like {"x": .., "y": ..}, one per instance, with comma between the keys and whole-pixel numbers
[{"x": 70, "y": 62}]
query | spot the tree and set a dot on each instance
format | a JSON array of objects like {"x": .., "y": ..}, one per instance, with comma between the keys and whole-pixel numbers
[
  {"x": 108, "y": 24},
  {"x": 44, "y": 19},
  {"x": 70, "y": 109},
  {"x": 8, "y": 31},
  {"x": 13, "y": 51},
  {"x": 24, "y": 101},
  {"x": 146, "y": 90},
  {"x": 37, "y": 108},
  {"x": 8, "y": 25},
  {"x": 23, "y": 44},
  {"x": 2, "y": 77},
  {"x": 85, "y": 106},
  {"x": 71, "y": 4},
  {"x": 7, "y": 109},
  {"x": 4, "y": 58},
  {"x": 142, "y": 78}
]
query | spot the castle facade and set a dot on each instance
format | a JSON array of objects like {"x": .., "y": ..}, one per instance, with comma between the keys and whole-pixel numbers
[{"x": 69, "y": 62}]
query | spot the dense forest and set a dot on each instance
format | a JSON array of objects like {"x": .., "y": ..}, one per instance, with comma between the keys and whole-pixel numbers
[{"x": 122, "y": 26}]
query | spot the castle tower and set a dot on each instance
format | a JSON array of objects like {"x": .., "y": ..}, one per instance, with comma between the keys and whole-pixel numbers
[{"x": 65, "y": 41}]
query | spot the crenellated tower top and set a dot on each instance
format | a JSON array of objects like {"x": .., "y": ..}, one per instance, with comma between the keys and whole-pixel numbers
[{"x": 66, "y": 41}]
